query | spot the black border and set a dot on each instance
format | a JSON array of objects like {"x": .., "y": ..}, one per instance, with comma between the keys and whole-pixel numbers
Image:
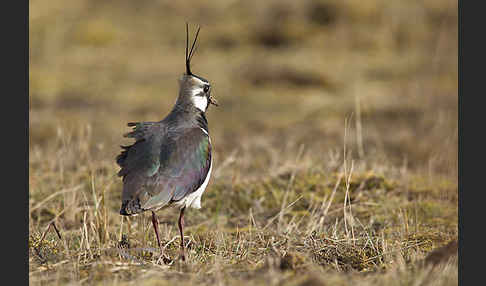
[
  {"x": 470, "y": 119},
  {"x": 15, "y": 141}
]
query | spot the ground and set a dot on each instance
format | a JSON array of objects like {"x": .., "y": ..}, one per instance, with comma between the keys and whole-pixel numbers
[{"x": 335, "y": 142}]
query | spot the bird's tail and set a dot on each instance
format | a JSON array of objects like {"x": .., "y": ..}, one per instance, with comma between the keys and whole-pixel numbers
[{"x": 130, "y": 207}]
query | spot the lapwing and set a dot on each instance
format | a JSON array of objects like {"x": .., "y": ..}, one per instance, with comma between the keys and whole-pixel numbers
[{"x": 170, "y": 163}]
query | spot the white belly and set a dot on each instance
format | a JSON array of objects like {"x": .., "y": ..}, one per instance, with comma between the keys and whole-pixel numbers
[{"x": 194, "y": 199}]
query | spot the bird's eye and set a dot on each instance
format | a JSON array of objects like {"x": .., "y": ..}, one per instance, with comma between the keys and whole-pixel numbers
[{"x": 206, "y": 88}]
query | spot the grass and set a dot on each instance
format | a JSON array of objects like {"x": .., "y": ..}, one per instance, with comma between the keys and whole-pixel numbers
[{"x": 335, "y": 143}]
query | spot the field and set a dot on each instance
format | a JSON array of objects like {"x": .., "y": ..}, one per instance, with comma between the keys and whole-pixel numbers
[{"x": 335, "y": 142}]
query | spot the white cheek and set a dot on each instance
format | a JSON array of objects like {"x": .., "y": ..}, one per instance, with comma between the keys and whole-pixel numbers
[{"x": 201, "y": 102}]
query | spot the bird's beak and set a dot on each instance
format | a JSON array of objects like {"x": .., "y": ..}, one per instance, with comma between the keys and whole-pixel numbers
[{"x": 213, "y": 100}]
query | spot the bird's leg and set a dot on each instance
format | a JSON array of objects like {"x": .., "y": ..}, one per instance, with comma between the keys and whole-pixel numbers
[
  {"x": 181, "y": 229},
  {"x": 155, "y": 222}
]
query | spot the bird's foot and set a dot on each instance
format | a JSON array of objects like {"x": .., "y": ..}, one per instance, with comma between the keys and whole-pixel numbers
[
  {"x": 182, "y": 256},
  {"x": 165, "y": 259}
]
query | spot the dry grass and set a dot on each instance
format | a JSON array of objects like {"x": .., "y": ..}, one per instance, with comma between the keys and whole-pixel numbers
[{"x": 335, "y": 141}]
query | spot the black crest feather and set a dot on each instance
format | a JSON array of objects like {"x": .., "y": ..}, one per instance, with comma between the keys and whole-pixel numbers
[{"x": 190, "y": 53}]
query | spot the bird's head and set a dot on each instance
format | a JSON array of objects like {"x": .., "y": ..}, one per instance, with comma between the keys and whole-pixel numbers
[{"x": 194, "y": 90}]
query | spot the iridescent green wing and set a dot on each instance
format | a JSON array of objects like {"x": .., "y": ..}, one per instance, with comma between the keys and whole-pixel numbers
[
  {"x": 142, "y": 157},
  {"x": 185, "y": 160}
]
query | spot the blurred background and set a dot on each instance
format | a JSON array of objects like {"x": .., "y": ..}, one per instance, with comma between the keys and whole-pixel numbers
[{"x": 287, "y": 74}]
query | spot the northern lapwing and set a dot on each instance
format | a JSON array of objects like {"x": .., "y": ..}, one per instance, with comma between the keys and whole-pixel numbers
[{"x": 170, "y": 163}]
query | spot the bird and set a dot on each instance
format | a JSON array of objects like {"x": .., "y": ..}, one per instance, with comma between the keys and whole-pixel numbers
[{"x": 170, "y": 162}]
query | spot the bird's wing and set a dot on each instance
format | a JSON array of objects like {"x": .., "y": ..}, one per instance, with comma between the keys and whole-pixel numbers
[
  {"x": 184, "y": 164},
  {"x": 142, "y": 156},
  {"x": 165, "y": 168}
]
